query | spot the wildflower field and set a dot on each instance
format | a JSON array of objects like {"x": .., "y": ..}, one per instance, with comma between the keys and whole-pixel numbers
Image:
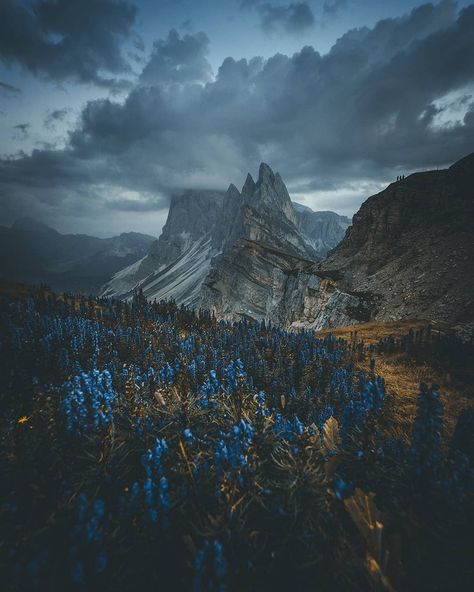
[{"x": 146, "y": 446}]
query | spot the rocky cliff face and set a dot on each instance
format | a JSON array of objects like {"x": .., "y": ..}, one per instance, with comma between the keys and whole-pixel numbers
[
  {"x": 266, "y": 269},
  {"x": 257, "y": 281},
  {"x": 412, "y": 247},
  {"x": 191, "y": 217},
  {"x": 265, "y": 215}
]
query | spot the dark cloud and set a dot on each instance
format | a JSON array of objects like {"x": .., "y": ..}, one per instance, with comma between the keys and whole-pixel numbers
[
  {"x": 8, "y": 90},
  {"x": 58, "y": 170},
  {"x": 138, "y": 42},
  {"x": 332, "y": 8},
  {"x": 393, "y": 98},
  {"x": 292, "y": 18},
  {"x": 178, "y": 59},
  {"x": 68, "y": 40},
  {"x": 55, "y": 116},
  {"x": 248, "y": 4},
  {"x": 22, "y": 130},
  {"x": 187, "y": 25}
]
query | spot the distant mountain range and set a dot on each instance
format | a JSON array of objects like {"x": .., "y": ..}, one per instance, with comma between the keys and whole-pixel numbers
[
  {"x": 33, "y": 252},
  {"x": 205, "y": 228}
]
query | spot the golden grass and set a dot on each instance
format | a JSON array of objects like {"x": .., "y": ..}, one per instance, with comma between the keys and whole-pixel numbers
[
  {"x": 373, "y": 331},
  {"x": 403, "y": 375},
  {"x": 19, "y": 290}
]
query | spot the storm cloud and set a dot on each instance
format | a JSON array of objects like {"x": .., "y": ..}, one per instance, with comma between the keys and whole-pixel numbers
[
  {"x": 177, "y": 59},
  {"x": 67, "y": 40},
  {"x": 393, "y": 98},
  {"x": 22, "y": 129},
  {"x": 331, "y": 8},
  {"x": 291, "y": 18}
]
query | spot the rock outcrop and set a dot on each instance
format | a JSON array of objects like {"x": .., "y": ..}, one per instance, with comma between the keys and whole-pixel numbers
[
  {"x": 257, "y": 281},
  {"x": 412, "y": 247}
]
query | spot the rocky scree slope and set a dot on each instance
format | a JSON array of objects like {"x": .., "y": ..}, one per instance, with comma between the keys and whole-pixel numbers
[{"x": 177, "y": 263}]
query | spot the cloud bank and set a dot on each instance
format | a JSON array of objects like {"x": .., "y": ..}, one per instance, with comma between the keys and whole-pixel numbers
[
  {"x": 380, "y": 102},
  {"x": 68, "y": 40}
]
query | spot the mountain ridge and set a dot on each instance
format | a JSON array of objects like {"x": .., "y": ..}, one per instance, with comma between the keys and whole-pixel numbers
[
  {"x": 261, "y": 212},
  {"x": 68, "y": 262}
]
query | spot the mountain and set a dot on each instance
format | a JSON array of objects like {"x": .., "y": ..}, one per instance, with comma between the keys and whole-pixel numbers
[
  {"x": 249, "y": 276},
  {"x": 254, "y": 254},
  {"x": 408, "y": 255},
  {"x": 411, "y": 247},
  {"x": 204, "y": 256},
  {"x": 322, "y": 230},
  {"x": 32, "y": 252}
]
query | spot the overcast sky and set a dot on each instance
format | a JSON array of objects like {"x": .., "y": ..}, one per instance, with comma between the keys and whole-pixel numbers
[{"x": 109, "y": 107}]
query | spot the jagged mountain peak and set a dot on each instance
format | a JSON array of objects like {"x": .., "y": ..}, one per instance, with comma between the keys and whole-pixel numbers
[
  {"x": 232, "y": 191},
  {"x": 249, "y": 186},
  {"x": 265, "y": 173},
  {"x": 268, "y": 194}
]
